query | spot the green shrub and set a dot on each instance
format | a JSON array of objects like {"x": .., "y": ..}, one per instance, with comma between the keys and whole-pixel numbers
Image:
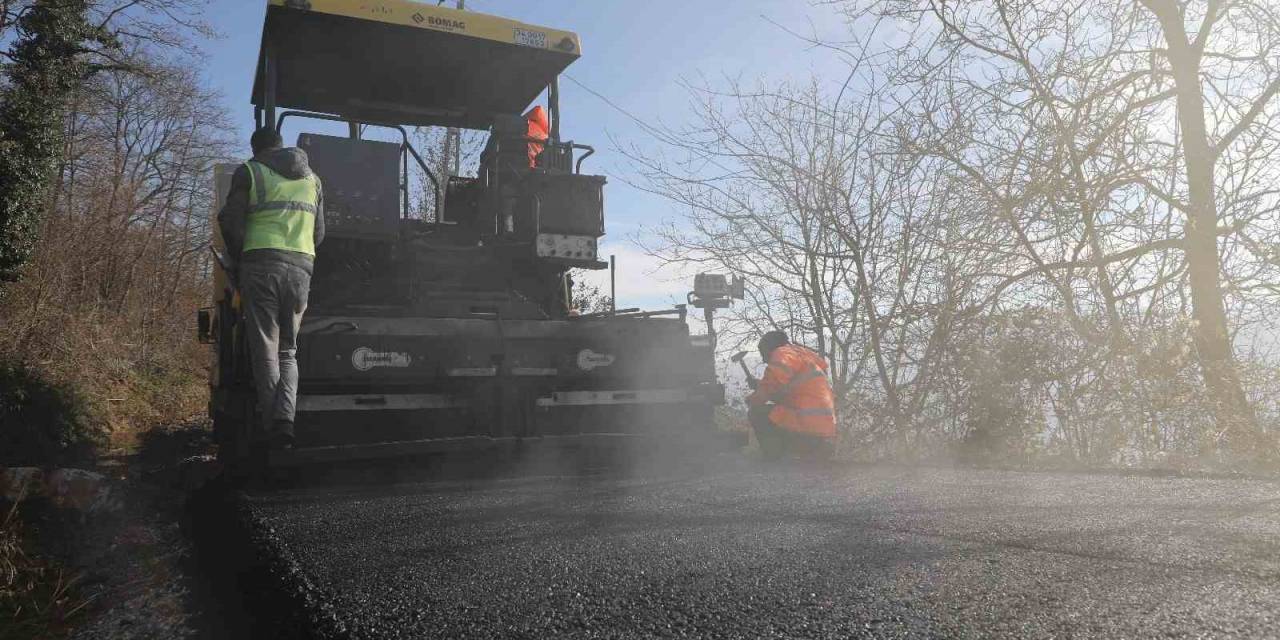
[{"x": 43, "y": 422}]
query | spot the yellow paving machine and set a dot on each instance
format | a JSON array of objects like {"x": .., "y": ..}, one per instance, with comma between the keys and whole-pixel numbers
[{"x": 452, "y": 328}]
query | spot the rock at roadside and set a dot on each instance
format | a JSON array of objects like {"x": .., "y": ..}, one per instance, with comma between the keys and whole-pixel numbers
[{"x": 76, "y": 489}]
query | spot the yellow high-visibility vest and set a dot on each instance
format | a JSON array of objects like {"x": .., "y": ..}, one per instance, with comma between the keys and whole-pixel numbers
[{"x": 282, "y": 212}]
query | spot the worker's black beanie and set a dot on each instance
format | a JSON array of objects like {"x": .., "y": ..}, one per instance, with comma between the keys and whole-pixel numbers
[
  {"x": 264, "y": 139},
  {"x": 772, "y": 340}
]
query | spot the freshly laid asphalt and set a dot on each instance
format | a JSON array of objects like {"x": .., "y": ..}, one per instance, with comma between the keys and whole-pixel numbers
[{"x": 737, "y": 550}]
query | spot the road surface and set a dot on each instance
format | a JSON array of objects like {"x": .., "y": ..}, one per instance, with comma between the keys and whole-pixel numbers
[{"x": 749, "y": 552}]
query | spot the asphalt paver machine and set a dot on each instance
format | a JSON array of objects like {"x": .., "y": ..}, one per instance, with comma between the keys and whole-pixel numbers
[{"x": 449, "y": 329}]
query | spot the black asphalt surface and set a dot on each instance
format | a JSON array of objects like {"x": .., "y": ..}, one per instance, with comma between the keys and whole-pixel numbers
[{"x": 740, "y": 551}]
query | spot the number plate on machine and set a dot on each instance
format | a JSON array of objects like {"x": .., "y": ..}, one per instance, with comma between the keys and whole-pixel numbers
[{"x": 529, "y": 38}]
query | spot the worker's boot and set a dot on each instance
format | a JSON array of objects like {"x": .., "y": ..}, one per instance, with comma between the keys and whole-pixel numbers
[{"x": 281, "y": 435}]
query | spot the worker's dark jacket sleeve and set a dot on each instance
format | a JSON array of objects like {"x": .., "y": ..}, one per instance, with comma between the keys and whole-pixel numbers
[
  {"x": 235, "y": 214},
  {"x": 319, "y": 228}
]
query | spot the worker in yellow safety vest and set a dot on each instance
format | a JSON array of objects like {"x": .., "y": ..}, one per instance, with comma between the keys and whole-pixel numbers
[
  {"x": 792, "y": 408},
  {"x": 272, "y": 222}
]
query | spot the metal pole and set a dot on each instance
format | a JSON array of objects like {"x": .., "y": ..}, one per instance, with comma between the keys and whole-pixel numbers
[
  {"x": 708, "y": 314},
  {"x": 553, "y": 101},
  {"x": 613, "y": 285},
  {"x": 455, "y": 132},
  {"x": 457, "y": 153},
  {"x": 269, "y": 85},
  {"x": 451, "y": 158}
]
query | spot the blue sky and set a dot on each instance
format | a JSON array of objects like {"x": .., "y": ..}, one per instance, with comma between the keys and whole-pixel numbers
[{"x": 635, "y": 53}]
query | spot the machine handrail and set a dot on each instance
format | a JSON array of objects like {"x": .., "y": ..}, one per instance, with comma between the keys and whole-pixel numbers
[
  {"x": 590, "y": 150},
  {"x": 570, "y": 144},
  {"x": 404, "y": 135}
]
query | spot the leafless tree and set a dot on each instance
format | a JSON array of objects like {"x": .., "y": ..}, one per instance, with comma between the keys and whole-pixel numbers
[
  {"x": 839, "y": 234},
  {"x": 123, "y": 261},
  {"x": 1094, "y": 131},
  {"x": 990, "y": 227}
]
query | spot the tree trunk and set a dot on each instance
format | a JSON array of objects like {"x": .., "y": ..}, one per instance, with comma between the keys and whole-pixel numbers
[{"x": 1236, "y": 422}]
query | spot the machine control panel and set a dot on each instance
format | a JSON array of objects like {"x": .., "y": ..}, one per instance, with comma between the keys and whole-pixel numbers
[{"x": 361, "y": 181}]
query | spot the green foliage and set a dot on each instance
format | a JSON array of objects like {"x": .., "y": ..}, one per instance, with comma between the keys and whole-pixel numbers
[
  {"x": 47, "y": 65},
  {"x": 43, "y": 423}
]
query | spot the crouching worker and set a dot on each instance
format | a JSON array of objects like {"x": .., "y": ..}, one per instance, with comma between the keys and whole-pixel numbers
[
  {"x": 272, "y": 223},
  {"x": 792, "y": 409}
]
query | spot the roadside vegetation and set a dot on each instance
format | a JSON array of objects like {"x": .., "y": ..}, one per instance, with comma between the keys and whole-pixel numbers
[
  {"x": 1018, "y": 231},
  {"x": 42, "y": 421},
  {"x": 108, "y": 140},
  {"x": 106, "y": 137},
  {"x": 38, "y": 598}
]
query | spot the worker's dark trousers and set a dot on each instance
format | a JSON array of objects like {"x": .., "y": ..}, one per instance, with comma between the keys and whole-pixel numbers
[
  {"x": 776, "y": 442},
  {"x": 275, "y": 297}
]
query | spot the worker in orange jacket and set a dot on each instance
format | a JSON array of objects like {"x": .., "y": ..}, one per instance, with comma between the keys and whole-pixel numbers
[
  {"x": 539, "y": 128},
  {"x": 792, "y": 408}
]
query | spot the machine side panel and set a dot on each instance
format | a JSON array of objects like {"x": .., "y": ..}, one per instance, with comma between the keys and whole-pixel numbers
[{"x": 422, "y": 378}]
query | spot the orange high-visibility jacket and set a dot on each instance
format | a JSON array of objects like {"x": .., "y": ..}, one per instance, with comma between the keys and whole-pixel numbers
[
  {"x": 796, "y": 382},
  {"x": 539, "y": 128}
]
